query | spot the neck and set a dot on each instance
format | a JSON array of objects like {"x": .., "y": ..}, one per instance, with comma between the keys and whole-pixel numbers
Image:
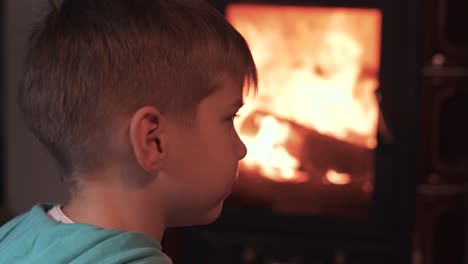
[{"x": 113, "y": 206}]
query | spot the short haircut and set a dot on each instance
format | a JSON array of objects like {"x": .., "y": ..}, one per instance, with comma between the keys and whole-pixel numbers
[{"x": 91, "y": 62}]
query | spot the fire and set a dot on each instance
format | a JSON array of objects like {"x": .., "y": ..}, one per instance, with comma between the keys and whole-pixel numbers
[
  {"x": 338, "y": 178},
  {"x": 318, "y": 69},
  {"x": 267, "y": 151}
]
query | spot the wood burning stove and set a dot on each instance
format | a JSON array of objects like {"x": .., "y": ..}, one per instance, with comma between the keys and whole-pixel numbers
[
  {"x": 312, "y": 129},
  {"x": 329, "y": 173}
]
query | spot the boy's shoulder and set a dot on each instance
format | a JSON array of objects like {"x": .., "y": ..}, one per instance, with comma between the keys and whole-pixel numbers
[{"x": 35, "y": 238}]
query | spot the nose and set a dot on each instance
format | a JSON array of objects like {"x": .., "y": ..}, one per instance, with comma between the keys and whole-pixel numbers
[
  {"x": 240, "y": 146},
  {"x": 242, "y": 149}
]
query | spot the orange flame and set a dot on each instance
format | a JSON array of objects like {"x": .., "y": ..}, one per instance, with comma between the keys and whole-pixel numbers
[
  {"x": 317, "y": 68},
  {"x": 338, "y": 178},
  {"x": 267, "y": 151}
]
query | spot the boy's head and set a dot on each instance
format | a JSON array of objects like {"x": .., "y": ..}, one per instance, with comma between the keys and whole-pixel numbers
[{"x": 117, "y": 81}]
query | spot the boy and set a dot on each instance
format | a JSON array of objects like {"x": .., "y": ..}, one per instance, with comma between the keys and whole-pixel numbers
[{"x": 135, "y": 100}]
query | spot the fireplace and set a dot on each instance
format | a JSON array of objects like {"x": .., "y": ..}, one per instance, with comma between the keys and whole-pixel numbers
[
  {"x": 330, "y": 137},
  {"x": 312, "y": 130}
]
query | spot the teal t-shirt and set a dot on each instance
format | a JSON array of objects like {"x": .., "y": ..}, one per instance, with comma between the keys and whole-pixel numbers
[{"x": 35, "y": 238}]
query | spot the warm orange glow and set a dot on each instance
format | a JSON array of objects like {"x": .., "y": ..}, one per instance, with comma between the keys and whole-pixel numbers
[
  {"x": 267, "y": 152},
  {"x": 338, "y": 178},
  {"x": 318, "y": 69}
]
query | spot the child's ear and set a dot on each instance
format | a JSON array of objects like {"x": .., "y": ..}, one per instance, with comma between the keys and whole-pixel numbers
[{"x": 147, "y": 138}]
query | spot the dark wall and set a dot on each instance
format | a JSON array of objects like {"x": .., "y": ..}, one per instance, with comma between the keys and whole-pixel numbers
[{"x": 30, "y": 175}]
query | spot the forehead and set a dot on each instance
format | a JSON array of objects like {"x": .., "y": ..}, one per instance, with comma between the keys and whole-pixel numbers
[
  {"x": 227, "y": 93},
  {"x": 229, "y": 88}
]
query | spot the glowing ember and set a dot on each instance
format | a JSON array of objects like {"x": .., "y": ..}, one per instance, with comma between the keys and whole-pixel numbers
[
  {"x": 338, "y": 178},
  {"x": 318, "y": 68}
]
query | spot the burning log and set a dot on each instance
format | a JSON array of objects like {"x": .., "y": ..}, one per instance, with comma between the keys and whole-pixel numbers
[{"x": 318, "y": 153}]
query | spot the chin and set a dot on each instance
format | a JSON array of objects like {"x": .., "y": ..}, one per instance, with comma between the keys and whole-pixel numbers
[
  {"x": 198, "y": 218},
  {"x": 199, "y": 221},
  {"x": 213, "y": 214}
]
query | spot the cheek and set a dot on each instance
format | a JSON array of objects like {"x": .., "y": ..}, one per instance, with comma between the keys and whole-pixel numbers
[
  {"x": 225, "y": 144},
  {"x": 208, "y": 155},
  {"x": 182, "y": 158}
]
